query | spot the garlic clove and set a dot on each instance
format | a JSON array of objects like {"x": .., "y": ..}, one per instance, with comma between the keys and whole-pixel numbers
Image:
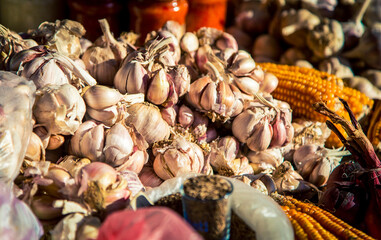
[
  {"x": 260, "y": 139},
  {"x": 108, "y": 116},
  {"x": 59, "y": 108},
  {"x": 42, "y": 207},
  {"x": 132, "y": 77},
  {"x": 247, "y": 85},
  {"x": 55, "y": 141},
  {"x": 242, "y": 66},
  {"x": 305, "y": 153},
  {"x": 269, "y": 83},
  {"x": 226, "y": 40},
  {"x": 135, "y": 162},
  {"x": 195, "y": 91},
  {"x": 185, "y": 116},
  {"x": 189, "y": 42},
  {"x": 169, "y": 115},
  {"x": 181, "y": 79},
  {"x": 226, "y": 95},
  {"x": 118, "y": 145},
  {"x": 320, "y": 173},
  {"x": 244, "y": 124},
  {"x": 148, "y": 121},
  {"x": 149, "y": 178},
  {"x": 101, "y": 173},
  {"x": 158, "y": 89},
  {"x": 279, "y": 133},
  {"x": 309, "y": 167},
  {"x": 100, "y": 97},
  {"x": 209, "y": 97}
]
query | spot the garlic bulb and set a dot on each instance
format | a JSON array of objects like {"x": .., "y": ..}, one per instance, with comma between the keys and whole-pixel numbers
[
  {"x": 152, "y": 71},
  {"x": 59, "y": 108},
  {"x": 225, "y": 160},
  {"x": 315, "y": 163},
  {"x": 73, "y": 164},
  {"x": 63, "y": 36},
  {"x": 265, "y": 161},
  {"x": 88, "y": 141},
  {"x": 148, "y": 121},
  {"x": 45, "y": 67},
  {"x": 287, "y": 179},
  {"x": 103, "y": 61},
  {"x": 178, "y": 156},
  {"x": 10, "y": 44},
  {"x": 326, "y": 39},
  {"x": 121, "y": 144}
]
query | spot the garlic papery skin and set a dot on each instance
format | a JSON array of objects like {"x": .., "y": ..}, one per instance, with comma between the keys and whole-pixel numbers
[
  {"x": 147, "y": 120},
  {"x": 131, "y": 77},
  {"x": 180, "y": 156},
  {"x": 59, "y": 108},
  {"x": 88, "y": 141},
  {"x": 158, "y": 89},
  {"x": 73, "y": 164}
]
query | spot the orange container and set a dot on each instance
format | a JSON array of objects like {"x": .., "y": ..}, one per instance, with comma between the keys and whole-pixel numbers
[
  {"x": 206, "y": 13},
  {"x": 149, "y": 15}
]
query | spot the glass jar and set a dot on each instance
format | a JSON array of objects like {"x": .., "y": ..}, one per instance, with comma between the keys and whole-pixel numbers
[
  {"x": 150, "y": 15},
  {"x": 88, "y": 13},
  {"x": 206, "y": 13}
]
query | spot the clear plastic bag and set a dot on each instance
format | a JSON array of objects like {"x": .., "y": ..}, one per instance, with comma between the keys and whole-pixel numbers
[
  {"x": 260, "y": 212},
  {"x": 17, "y": 220},
  {"x": 17, "y": 96}
]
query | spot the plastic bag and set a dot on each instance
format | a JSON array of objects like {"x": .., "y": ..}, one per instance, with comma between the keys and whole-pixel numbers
[
  {"x": 157, "y": 223},
  {"x": 17, "y": 96},
  {"x": 17, "y": 220},
  {"x": 260, "y": 212}
]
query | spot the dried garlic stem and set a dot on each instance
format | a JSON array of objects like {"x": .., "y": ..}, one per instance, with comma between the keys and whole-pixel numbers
[{"x": 117, "y": 48}]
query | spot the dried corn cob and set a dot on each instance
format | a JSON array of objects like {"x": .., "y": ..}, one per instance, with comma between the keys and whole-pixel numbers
[
  {"x": 301, "y": 87},
  {"x": 305, "y": 216}
]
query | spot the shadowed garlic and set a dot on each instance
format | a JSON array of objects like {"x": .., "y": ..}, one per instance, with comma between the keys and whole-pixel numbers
[
  {"x": 103, "y": 61},
  {"x": 176, "y": 157},
  {"x": 59, "y": 108}
]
